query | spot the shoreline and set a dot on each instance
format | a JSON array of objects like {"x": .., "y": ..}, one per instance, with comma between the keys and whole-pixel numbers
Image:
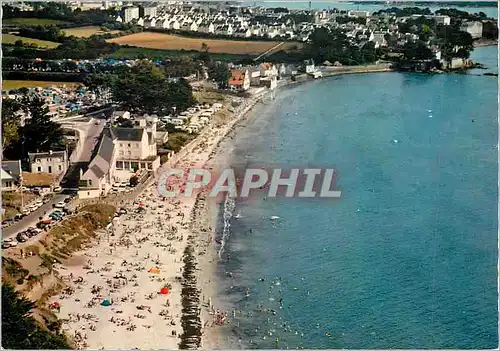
[{"x": 176, "y": 236}]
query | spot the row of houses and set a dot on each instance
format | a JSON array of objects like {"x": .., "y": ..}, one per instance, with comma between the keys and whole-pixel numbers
[
  {"x": 220, "y": 23},
  {"x": 267, "y": 74}
]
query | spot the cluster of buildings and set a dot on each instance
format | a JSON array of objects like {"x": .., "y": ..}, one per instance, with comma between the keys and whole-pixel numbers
[
  {"x": 46, "y": 170},
  {"x": 245, "y": 22},
  {"x": 267, "y": 74},
  {"x": 121, "y": 153},
  {"x": 204, "y": 19}
]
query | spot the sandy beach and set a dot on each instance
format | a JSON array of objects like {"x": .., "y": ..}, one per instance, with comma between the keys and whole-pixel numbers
[{"x": 126, "y": 291}]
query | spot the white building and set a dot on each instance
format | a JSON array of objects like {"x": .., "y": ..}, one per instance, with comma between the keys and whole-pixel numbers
[
  {"x": 53, "y": 162},
  {"x": 130, "y": 13},
  {"x": 360, "y": 14},
  {"x": 150, "y": 11},
  {"x": 8, "y": 182},
  {"x": 475, "y": 29}
]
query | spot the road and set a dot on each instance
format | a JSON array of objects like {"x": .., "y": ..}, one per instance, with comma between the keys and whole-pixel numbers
[{"x": 32, "y": 219}]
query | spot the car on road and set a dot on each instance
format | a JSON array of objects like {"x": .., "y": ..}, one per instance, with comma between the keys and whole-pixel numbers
[
  {"x": 60, "y": 204},
  {"x": 39, "y": 203},
  {"x": 57, "y": 189}
]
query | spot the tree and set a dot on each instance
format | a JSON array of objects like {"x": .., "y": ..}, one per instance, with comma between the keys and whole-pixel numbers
[
  {"x": 145, "y": 88},
  {"x": 39, "y": 133},
  {"x": 416, "y": 50},
  {"x": 20, "y": 330},
  {"x": 219, "y": 72},
  {"x": 10, "y": 123}
]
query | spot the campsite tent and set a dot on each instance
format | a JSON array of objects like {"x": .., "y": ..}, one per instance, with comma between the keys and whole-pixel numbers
[
  {"x": 164, "y": 291},
  {"x": 154, "y": 270}
]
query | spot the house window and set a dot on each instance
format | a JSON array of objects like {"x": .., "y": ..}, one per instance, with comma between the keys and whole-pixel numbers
[
  {"x": 119, "y": 164},
  {"x": 90, "y": 182},
  {"x": 129, "y": 153},
  {"x": 143, "y": 165},
  {"x": 60, "y": 167},
  {"x": 135, "y": 165},
  {"x": 50, "y": 160},
  {"x": 150, "y": 165},
  {"x": 121, "y": 152},
  {"x": 121, "y": 144},
  {"x": 39, "y": 169},
  {"x": 128, "y": 145},
  {"x": 50, "y": 169}
]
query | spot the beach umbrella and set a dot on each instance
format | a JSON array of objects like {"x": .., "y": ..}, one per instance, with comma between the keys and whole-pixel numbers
[
  {"x": 106, "y": 303},
  {"x": 141, "y": 204},
  {"x": 154, "y": 270},
  {"x": 164, "y": 291}
]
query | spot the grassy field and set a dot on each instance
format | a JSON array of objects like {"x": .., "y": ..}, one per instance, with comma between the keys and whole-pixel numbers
[
  {"x": 31, "y": 22},
  {"x": 16, "y": 84},
  {"x": 174, "y": 42},
  {"x": 11, "y": 39},
  {"x": 131, "y": 53},
  {"x": 87, "y": 31}
]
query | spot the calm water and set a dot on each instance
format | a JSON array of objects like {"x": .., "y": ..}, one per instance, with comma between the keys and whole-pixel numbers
[
  {"x": 296, "y": 4},
  {"x": 407, "y": 257}
]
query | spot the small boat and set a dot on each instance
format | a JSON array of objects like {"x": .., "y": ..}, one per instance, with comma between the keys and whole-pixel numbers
[
  {"x": 274, "y": 218},
  {"x": 238, "y": 216},
  {"x": 218, "y": 240}
]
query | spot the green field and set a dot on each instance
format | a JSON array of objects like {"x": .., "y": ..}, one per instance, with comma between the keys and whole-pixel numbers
[
  {"x": 11, "y": 39},
  {"x": 31, "y": 22},
  {"x": 130, "y": 53},
  {"x": 16, "y": 84}
]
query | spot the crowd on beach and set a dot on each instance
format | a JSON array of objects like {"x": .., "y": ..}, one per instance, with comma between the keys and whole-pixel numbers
[{"x": 127, "y": 293}]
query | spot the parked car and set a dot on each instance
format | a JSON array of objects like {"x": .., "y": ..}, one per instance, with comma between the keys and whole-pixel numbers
[
  {"x": 57, "y": 189},
  {"x": 68, "y": 199},
  {"x": 21, "y": 237},
  {"x": 60, "y": 204}
]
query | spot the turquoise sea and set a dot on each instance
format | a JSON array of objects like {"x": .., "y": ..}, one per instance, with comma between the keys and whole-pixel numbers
[{"x": 407, "y": 257}]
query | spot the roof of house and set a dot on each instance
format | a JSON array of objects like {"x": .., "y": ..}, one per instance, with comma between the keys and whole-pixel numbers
[
  {"x": 125, "y": 134},
  {"x": 4, "y": 175},
  {"x": 101, "y": 163},
  {"x": 33, "y": 156},
  {"x": 119, "y": 113},
  {"x": 237, "y": 77},
  {"x": 266, "y": 65},
  {"x": 12, "y": 167}
]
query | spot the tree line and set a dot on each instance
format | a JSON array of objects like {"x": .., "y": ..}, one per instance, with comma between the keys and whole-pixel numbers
[{"x": 144, "y": 88}]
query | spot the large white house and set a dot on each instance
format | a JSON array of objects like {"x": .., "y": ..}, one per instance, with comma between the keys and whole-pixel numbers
[
  {"x": 121, "y": 152},
  {"x": 53, "y": 162}
]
